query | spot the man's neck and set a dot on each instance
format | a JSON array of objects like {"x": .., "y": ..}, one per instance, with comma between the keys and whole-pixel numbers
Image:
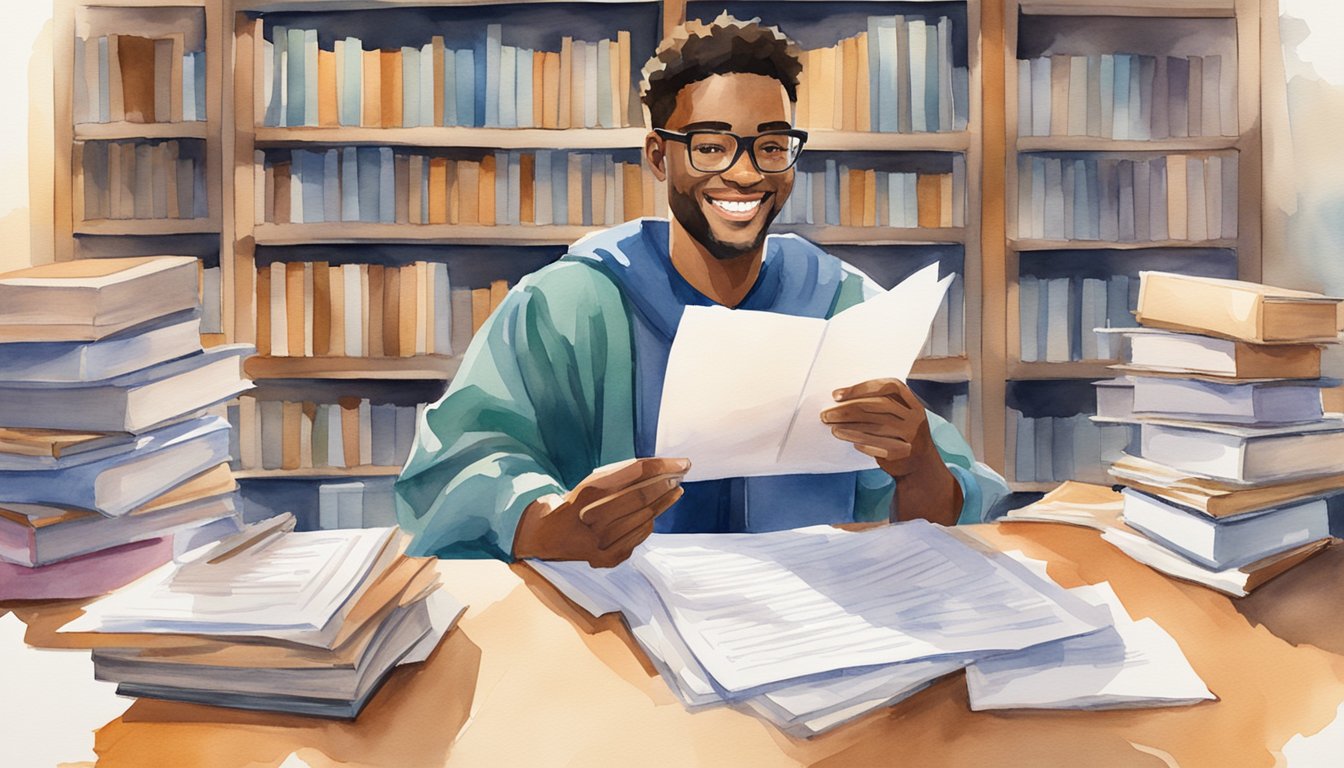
[{"x": 725, "y": 281}]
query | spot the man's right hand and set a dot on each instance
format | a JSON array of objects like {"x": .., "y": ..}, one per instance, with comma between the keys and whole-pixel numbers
[{"x": 604, "y": 517}]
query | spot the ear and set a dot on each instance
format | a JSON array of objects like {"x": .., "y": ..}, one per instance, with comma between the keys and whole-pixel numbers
[{"x": 655, "y": 155}]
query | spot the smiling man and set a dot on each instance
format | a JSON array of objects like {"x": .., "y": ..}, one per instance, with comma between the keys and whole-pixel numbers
[{"x": 544, "y": 444}]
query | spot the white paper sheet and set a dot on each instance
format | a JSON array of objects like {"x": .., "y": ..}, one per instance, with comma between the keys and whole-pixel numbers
[{"x": 744, "y": 390}]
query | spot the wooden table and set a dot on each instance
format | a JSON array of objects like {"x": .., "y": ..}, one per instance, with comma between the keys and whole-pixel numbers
[{"x": 528, "y": 679}]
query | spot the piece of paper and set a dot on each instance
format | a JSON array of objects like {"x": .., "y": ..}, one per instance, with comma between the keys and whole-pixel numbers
[{"x": 744, "y": 390}]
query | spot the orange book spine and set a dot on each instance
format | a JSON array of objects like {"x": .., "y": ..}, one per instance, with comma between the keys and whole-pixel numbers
[
  {"x": 480, "y": 308},
  {"x": 437, "y": 52},
  {"x": 538, "y": 96},
  {"x": 326, "y": 88},
  {"x": 391, "y": 88},
  {"x": 486, "y": 190},
  {"x": 550, "y": 90},
  {"x": 392, "y": 299},
  {"x": 350, "y": 430},
  {"x": 374, "y": 311},
  {"x": 263, "y": 311},
  {"x": 870, "y": 198},
  {"x": 527, "y": 188},
  {"x": 321, "y": 309},
  {"x": 373, "y": 90},
  {"x": 294, "y": 307},
  {"x": 408, "y": 308},
  {"x": 927, "y": 197}
]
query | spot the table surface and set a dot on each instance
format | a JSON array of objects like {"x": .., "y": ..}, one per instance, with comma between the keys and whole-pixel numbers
[{"x": 528, "y": 679}]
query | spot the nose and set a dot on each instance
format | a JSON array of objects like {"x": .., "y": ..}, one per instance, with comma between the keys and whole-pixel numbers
[{"x": 742, "y": 173}]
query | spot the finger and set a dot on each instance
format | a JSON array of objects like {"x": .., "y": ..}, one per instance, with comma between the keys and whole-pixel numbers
[
  {"x": 632, "y": 471},
  {"x": 877, "y": 446},
  {"x": 876, "y": 388},
  {"x": 618, "y": 528},
  {"x": 621, "y": 548},
  {"x": 867, "y": 409},
  {"x": 625, "y": 501}
]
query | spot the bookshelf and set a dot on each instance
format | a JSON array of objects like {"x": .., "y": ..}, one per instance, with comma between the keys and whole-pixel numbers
[
  {"x": 880, "y": 187},
  {"x": 1130, "y": 142}
]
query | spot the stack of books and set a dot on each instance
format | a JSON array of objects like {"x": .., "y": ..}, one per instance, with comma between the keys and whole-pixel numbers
[
  {"x": 1234, "y": 456},
  {"x": 107, "y": 452},
  {"x": 268, "y": 619}
]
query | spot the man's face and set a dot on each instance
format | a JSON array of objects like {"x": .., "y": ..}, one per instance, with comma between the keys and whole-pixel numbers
[{"x": 728, "y": 212}]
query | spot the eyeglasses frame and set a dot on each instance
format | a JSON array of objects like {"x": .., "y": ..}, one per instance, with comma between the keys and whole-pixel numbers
[{"x": 744, "y": 144}]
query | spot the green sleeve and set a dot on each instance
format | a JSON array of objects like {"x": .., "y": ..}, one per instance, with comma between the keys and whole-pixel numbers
[
  {"x": 981, "y": 486},
  {"x": 544, "y": 396}
]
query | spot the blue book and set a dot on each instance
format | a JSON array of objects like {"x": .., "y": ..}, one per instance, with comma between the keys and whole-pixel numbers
[
  {"x": 349, "y": 184},
  {"x": 352, "y": 82},
  {"x": 586, "y": 176},
  {"x": 1093, "y": 200},
  {"x": 1120, "y": 114},
  {"x": 70, "y": 362},
  {"x": 331, "y": 185},
  {"x": 410, "y": 87},
  {"x": 560, "y": 187},
  {"x": 200, "y": 73},
  {"x": 890, "y": 58},
  {"x": 368, "y": 184},
  {"x": 544, "y": 197},
  {"x": 310, "y": 77},
  {"x": 918, "y": 58},
  {"x": 450, "y": 116},
  {"x": 525, "y": 117},
  {"x": 387, "y": 186},
  {"x": 508, "y": 86},
  {"x": 467, "y": 78},
  {"x": 313, "y": 179},
  {"x": 295, "y": 83},
  {"x": 115, "y": 484},
  {"x": 275, "y": 111},
  {"x": 493, "y": 33},
  {"x": 932, "y": 53},
  {"x": 502, "y": 186},
  {"x": 832, "y": 192}
]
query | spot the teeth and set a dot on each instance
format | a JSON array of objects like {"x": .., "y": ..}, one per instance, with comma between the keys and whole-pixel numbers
[{"x": 736, "y": 206}]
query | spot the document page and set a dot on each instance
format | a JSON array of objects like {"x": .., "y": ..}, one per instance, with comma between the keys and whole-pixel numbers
[{"x": 744, "y": 390}]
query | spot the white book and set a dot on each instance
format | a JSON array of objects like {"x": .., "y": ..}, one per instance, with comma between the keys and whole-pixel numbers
[
  {"x": 365, "y": 432},
  {"x": 335, "y": 439},
  {"x": 1060, "y": 319},
  {"x": 793, "y": 364},
  {"x": 443, "y": 315},
  {"x": 77, "y": 361},
  {"x": 1245, "y": 454},
  {"x": 508, "y": 86},
  {"x": 1029, "y": 310},
  {"x": 310, "y": 77},
  {"x": 1230, "y": 542},
  {"x": 1249, "y": 402},
  {"x": 279, "y": 314},
  {"x": 354, "y": 310},
  {"x": 1040, "y": 96},
  {"x": 918, "y": 53}
]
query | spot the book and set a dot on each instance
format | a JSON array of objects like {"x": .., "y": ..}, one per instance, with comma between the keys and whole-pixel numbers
[
  {"x": 1217, "y": 498},
  {"x": 1222, "y": 543},
  {"x": 116, "y": 483},
  {"x": 1235, "y": 309},
  {"x": 35, "y": 535},
  {"x": 133, "y": 402},
  {"x": 1267, "y": 401},
  {"x": 1153, "y": 349},
  {"x": 130, "y": 350},
  {"x": 93, "y": 574},
  {"x": 1115, "y": 398},
  {"x": 1235, "y": 582},
  {"x": 89, "y": 299},
  {"x": 1245, "y": 454}
]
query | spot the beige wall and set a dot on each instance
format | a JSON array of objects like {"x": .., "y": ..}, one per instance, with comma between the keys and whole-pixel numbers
[{"x": 26, "y": 135}]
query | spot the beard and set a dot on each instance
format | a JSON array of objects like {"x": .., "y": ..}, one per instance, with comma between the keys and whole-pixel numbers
[{"x": 688, "y": 212}]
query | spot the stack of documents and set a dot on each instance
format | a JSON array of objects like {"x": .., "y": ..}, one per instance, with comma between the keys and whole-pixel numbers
[
  {"x": 812, "y": 627},
  {"x": 269, "y": 619},
  {"x": 1235, "y": 455},
  {"x": 108, "y": 458}
]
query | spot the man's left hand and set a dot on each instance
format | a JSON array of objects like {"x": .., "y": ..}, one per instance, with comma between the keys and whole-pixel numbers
[{"x": 884, "y": 419}]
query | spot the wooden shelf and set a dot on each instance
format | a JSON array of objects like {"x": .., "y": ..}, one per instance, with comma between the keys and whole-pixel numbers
[
  {"x": 1158, "y": 8},
  {"x": 1096, "y": 245},
  {"x": 948, "y": 370},
  {"x": 123, "y": 130},
  {"x": 457, "y": 136},
  {"x": 825, "y": 234},
  {"x": 885, "y": 141},
  {"x": 368, "y": 232},
  {"x": 1094, "y": 144},
  {"x": 275, "y": 6},
  {"x": 1075, "y": 369},
  {"x": 419, "y": 368},
  {"x": 315, "y": 473},
  {"x": 147, "y": 227}
]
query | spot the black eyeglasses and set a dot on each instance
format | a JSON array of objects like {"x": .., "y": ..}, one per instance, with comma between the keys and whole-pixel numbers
[{"x": 717, "y": 151}]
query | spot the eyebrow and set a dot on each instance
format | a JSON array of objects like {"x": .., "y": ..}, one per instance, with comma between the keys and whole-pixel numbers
[{"x": 715, "y": 125}]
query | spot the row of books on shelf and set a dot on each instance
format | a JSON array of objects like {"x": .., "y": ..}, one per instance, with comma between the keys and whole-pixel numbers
[
  {"x": 1172, "y": 197},
  {"x": 585, "y": 84},
  {"x": 142, "y": 179},
  {"x": 275, "y": 434},
  {"x": 1056, "y": 448},
  {"x": 1235, "y": 455},
  {"x": 380, "y": 184},
  {"x": 307, "y": 309},
  {"x": 897, "y": 76},
  {"x": 109, "y": 455},
  {"x": 1126, "y": 96},
  {"x": 138, "y": 80},
  {"x": 839, "y": 194},
  {"x": 947, "y": 335},
  {"x": 1059, "y": 316}
]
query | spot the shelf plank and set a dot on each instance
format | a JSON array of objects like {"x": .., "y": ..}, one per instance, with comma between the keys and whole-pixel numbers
[
  {"x": 1075, "y": 369},
  {"x": 147, "y": 227},
  {"x": 364, "y": 232},
  {"x": 950, "y": 370},
  {"x": 274, "y": 6},
  {"x": 1092, "y": 245},
  {"x": 825, "y": 234},
  {"x": 1094, "y": 144},
  {"x": 884, "y": 141},
  {"x": 123, "y": 130},
  {"x": 1145, "y": 8},
  {"x": 315, "y": 473},
  {"x": 457, "y": 136},
  {"x": 419, "y": 368}
]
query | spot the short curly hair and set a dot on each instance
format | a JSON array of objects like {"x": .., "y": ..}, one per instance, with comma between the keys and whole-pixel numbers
[{"x": 695, "y": 50}]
